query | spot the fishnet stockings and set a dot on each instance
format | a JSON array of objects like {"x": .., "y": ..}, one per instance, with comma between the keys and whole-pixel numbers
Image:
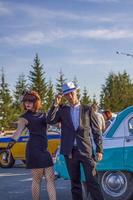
[
  {"x": 37, "y": 175},
  {"x": 49, "y": 174}
]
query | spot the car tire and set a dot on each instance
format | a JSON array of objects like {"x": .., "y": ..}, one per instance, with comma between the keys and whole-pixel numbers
[
  {"x": 116, "y": 185},
  {"x": 24, "y": 161},
  {"x": 8, "y": 164}
]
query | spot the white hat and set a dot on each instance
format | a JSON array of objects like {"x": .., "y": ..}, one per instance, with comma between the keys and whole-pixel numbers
[{"x": 68, "y": 87}]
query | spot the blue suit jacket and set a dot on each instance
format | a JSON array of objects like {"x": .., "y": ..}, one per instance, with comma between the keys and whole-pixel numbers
[{"x": 88, "y": 127}]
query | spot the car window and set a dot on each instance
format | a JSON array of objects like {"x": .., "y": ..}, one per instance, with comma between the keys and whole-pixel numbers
[
  {"x": 109, "y": 127},
  {"x": 130, "y": 126}
]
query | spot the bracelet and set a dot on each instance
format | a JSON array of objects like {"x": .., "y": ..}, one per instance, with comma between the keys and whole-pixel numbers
[
  {"x": 56, "y": 105},
  {"x": 13, "y": 140}
]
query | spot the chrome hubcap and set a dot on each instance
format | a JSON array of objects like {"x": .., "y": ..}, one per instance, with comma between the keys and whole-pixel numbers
[
  {"x": 2, "y": 161},
  {"x": 114, "y": 183}
]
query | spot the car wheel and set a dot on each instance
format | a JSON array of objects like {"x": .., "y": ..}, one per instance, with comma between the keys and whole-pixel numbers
[
  {"x": 116, "y": 185},
  {"x": 10, "y": 161},
  {"x": 24, "y": 161}
]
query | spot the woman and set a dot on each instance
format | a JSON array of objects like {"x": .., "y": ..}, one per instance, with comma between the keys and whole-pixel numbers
[
  {"x": 101, "y": 120},
  {"x": 38, "y": 159}
]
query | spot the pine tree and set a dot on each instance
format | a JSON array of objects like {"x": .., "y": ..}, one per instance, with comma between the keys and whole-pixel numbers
[
  {"x": 94, "y": 100},
  {"x": 50, "y": 95},
  {"x": 108, "y": 91},
  {"x": 60, "y": 81},
  {"x": 20, "y": 86},
  {"x": 117, "y": 92},
  {"x": 85, "y": 100},
  {"x": 38, "y": 80},
  {"x": 75, "y": 81},
  {"x": 6, "y": 108}
]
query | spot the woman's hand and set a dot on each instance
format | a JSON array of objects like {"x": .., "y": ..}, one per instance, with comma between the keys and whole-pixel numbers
[{"x": 10, "y": 144}]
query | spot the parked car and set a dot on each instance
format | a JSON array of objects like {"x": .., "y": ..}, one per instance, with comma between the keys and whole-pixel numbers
[
  {"x": 18, "y": 150},
  {"x": 116, "y": 169}
]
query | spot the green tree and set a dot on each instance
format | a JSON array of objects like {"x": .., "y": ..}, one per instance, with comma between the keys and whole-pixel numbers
[
  {"x": 75, "y": 81},
  {"x": 60, "y": 81},
  {"x": 94, "y": 100},
  {"x": 117, "y": 92},
  {"x": 6, "y": 106},
  {"x": 50, "y": 95},
  {"x": 38, "y": 80},
  {"x": 108, "y": 91},
  {"x": 85, "y": 100},
  {"x": 20, "y": 86}
]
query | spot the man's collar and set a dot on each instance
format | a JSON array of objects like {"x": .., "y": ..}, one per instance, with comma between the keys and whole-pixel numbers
[{"x": 76, "y": 105}]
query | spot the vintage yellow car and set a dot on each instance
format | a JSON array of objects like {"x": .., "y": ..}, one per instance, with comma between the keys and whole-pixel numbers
[{"x": 18, "y": 150}]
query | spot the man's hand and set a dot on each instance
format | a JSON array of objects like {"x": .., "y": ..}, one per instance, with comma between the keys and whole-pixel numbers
[
  {"x": 57, "y": 100},
  {"x": 99, "y": 156}
]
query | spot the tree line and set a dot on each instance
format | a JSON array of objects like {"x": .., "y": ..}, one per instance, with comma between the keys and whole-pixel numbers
[{"x": 116, "y": 92}]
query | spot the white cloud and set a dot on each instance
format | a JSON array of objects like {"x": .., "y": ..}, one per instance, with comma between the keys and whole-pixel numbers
[
  {"x": 86, "y": 61},
  {"x": 25, "y": 39},
  {"x": 49, "y": 36},
  {"x": 44, "y": 13},
  {"x": 34, "y": 37},
  {"x": 4, "y": 9},
  {"x": 100, "y": 1},
  {"x": 105, "y": 34},
  {"x": 80, "y": 50},
  {"x": 39, "y": 14}
]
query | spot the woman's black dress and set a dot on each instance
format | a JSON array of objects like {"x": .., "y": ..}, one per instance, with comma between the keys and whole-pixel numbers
[{"x": 37, "y": 155}]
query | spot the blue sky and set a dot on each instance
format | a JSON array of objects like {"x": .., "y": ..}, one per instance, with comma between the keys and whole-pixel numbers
[{"x": 80, "y": 37}]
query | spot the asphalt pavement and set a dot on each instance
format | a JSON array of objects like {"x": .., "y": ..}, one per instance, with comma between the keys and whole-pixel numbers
[{"x": 15, "y": 184}]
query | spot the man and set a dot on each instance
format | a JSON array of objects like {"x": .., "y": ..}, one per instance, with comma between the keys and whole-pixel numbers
[
  {"x": 77, "y": 123},
  {"x": 100, "y": 117},
  {"x": 107, "y": 115}
]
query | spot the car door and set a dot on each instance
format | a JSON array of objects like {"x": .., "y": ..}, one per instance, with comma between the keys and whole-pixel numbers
[
  {"x": 128, "y": 149},
  {"x": 18, "y": 150}
]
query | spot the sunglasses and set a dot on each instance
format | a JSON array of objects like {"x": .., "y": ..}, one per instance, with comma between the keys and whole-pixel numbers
[{"x": 30, "y": 99}]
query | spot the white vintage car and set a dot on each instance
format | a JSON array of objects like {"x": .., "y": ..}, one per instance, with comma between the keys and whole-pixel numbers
[{"x": 116, "y": 169}]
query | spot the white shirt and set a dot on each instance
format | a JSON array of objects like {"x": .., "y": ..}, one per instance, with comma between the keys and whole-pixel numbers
[{"x": 75, "y": 115}]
